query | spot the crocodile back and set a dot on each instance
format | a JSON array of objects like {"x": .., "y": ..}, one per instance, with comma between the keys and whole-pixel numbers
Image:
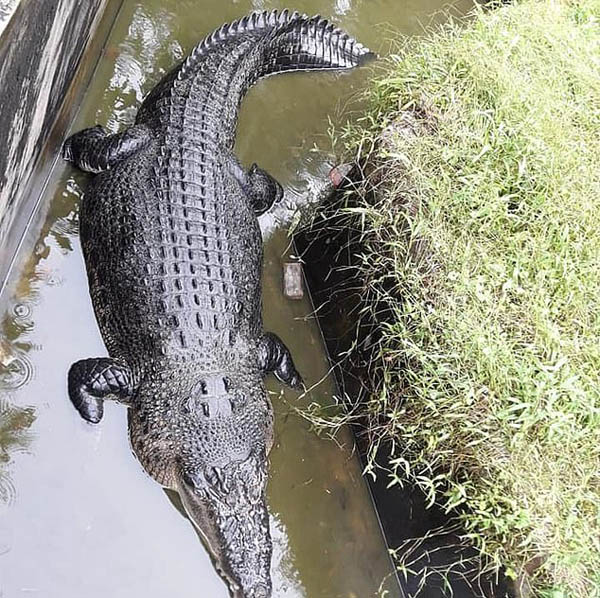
[{"x": 173, "y": 258}]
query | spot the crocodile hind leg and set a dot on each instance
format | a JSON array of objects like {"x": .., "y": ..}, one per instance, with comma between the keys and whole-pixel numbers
[
  {"x": 263, "y": 189},
  {"x": 91, "y": 381},
  {"x": 275, "y": 357},
  {"x": 260, "y": 187},
  {"x": 94, "y": 150}
]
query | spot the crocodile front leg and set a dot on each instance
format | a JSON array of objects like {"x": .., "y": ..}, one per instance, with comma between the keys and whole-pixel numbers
[
  {"x": 94, "y": 150},
  {"x": 91, "y": 381},
  {"x": 275, "y": 357}
]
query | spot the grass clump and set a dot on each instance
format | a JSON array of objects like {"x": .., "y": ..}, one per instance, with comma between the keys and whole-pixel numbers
[{"x": 481, "y": 256}]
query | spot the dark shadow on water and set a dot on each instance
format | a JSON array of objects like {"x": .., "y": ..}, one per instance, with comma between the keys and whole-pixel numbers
[{"x": 433, "y": 560}]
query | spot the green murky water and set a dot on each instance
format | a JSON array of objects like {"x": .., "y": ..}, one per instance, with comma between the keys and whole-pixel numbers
[{"x": 78, "y": 517}]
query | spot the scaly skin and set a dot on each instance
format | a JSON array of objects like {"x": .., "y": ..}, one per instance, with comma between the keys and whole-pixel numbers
[{"x": 173, "y": 252}]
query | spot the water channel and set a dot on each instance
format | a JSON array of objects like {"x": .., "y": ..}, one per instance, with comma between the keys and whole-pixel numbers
[{"x": 78, "y": 517}]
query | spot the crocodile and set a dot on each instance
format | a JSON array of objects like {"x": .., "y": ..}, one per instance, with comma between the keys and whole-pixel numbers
[{"x": 173, "y": 252}]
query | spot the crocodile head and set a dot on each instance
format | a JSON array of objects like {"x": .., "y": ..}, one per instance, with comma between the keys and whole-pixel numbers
[
  {"x": 208, "y": 440},
  {"x": 228, "y": 507}
]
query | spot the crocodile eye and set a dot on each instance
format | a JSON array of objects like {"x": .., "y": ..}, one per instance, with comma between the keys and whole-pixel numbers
[{"x": 187, "y": 478}]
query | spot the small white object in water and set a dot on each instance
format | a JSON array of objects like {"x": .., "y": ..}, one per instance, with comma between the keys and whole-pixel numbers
[{"x": 292, "y": 280}]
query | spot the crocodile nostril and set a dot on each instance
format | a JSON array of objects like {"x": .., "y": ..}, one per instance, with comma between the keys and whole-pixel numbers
[{"x": 260, "y": 591}]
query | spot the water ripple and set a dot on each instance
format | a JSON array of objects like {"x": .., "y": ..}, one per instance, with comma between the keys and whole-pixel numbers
[
  {"x": 137, "y": 66},
  {"x": 15, "y": 371},
  {"x": 302, "y": 194},
  {"x": 22, "y": 312},
  {"x": 15, "y": 436}
]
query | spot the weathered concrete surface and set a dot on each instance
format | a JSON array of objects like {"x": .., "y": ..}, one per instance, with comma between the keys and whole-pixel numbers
[
  {"x": 41, "y": 45},
  {"x": 7, "y": 8}
]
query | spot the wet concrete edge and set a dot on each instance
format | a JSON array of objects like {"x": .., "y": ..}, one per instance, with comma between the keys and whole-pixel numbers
[{"x": 42, "y": 47}]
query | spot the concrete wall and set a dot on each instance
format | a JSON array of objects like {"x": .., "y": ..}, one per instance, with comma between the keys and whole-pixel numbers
[{"x": 41, "y": 45}]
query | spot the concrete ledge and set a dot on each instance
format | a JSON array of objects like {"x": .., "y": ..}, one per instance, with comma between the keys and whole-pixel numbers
[
  {"x": 41, "y": 48},
  {"x": 7, "y": 9}
]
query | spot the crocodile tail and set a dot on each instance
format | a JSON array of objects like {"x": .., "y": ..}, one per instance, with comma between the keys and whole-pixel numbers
[
  {"x": 260, "y": 44},
  {"x": 291, "y": 41},
  {"x": 305, "y": 43}
]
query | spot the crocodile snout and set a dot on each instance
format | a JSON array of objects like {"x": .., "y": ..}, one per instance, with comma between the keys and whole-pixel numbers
[
  {"x": 227, "y": 504},
  {"x": 259, "y": 591}
]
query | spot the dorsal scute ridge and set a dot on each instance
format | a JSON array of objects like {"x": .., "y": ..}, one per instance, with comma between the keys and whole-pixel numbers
[
  {"x": 283, "y": 16},
  {"x": 253, "y": 21},
  {"x": 317, "y": 26}
]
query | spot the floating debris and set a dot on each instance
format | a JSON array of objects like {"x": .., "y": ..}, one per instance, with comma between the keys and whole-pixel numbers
[{"x": 293, "y": 287}]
